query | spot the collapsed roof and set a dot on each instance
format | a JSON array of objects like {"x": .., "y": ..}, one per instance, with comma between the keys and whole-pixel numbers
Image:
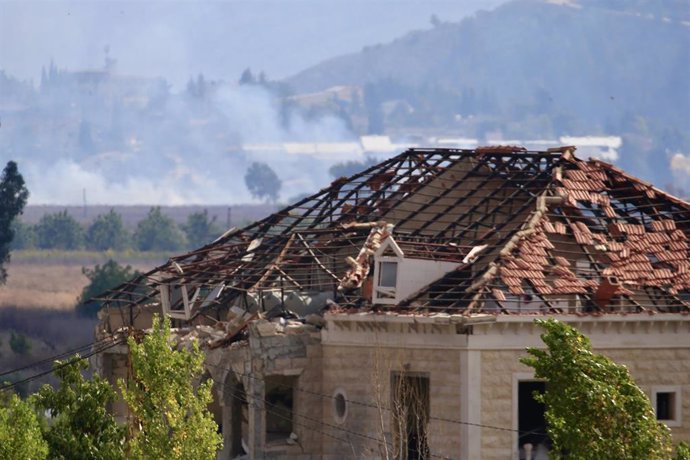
[{"x": 530, "y": 231}]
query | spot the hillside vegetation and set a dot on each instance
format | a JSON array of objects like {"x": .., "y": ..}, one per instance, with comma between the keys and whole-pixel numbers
[
  {"x": 536, "y": 69},
  {"x": 598, "y": 59}
]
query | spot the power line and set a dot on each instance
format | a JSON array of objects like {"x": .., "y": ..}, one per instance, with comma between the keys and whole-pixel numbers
[
  {"x": 377, "y": 407},
  {"x": 57, "y": 367},
  {"x": 320, "y": 422},
  {"x": 58, "y": 356}
]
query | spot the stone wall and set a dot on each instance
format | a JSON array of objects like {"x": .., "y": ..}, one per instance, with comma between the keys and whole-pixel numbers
[
  {"x": 293, "y": 350},
  {"x": 363, "y": 374},
  {"x": 649, "y": 367},
  {"x": 498, "y": 368}
]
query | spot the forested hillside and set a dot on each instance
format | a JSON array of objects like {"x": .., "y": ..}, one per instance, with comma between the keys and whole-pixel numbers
[
  {"x": 533, "y": 68},
  {"x": 518, "y": 55}
]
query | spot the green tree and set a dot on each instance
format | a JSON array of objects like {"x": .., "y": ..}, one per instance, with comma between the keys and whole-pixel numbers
[
  {"x": 24, "y": 235},
  {"x": 59, "y": 231},
  {"x": 81, "y": 427},
  {"x": 158, "y": 232},
  {"x": 101, "y": 278},
  {"x": 349, "y": 168},
  {"x": 170, "y": 417},
  {"x": 107, "y": 232},
  {"x": 19, "y": 344},
  {"x": 247, "y": 77},
  {"x": 200, "y": 230},
  {"x": 594, "y": 409},
  {"x": 20, "y": 431},
  {"x": 682, "y": 451},
  {"x": 13, "y": 196},
  {"x": 262, "y": 182}
]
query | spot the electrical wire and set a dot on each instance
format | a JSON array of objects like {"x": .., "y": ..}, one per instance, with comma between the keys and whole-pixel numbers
[
  {"x": 56, "y": 357},
  {"x": 372, "y": 406},
  {"x": 319, "y": 422},
  {"x": 12, "y": 385}
]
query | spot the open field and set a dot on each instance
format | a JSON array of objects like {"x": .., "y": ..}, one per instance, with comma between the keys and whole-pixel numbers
[
  {"x": 38, "y": 303},
  {"x": 54, "y": 279},
  {"x": 48, "y": 286}
]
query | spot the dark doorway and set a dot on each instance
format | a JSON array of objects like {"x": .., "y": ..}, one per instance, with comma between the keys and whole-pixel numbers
[
  {"x": 240, "y": 420},
  {"x": 279, "y": 405},
  {"x": 410, "y": 410},
  {"x": 531, "y": 421}
]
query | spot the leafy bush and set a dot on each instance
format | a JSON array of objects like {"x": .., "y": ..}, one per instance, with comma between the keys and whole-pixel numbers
[
  {"x": 158, "y": 232},
  {"x": 59, "y": 231},
  {"x": 20, "y": 432},
  {"x": 101, "y": 278},
  {"x": 24, "y": 235},
  {"x": 594, "y": 409},
  {"x": 81, "y": 428},
  {"x": 173, "y": 420},
  {"x": 107, "y": 232},
  {"x": 200, "y": 230},
  {"x": 19, "y": 344}
]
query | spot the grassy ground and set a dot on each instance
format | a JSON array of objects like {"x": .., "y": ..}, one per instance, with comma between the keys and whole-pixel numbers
[
  {"x": 54, "y": 279},
  {"x": 38, "y": 302}
]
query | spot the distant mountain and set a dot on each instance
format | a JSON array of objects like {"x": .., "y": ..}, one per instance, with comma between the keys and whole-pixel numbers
[
  {"x": 534, "y": 68},
  {"x": 177, "y": 39},
  {"x": 593, "y": 58}
]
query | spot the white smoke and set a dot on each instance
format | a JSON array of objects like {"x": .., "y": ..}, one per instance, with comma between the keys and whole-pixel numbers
[
  {"x": 680, "y": 164},
  {"x": 66, "y": 182},
  {"x": 200, "y": 160}
]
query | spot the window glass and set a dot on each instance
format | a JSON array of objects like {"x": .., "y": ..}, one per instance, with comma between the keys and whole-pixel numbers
[
  {"x": 665, "y": 405},
  {"x": 388, "y": 274}
]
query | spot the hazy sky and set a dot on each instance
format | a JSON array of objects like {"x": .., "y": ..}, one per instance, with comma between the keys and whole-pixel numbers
[{"x": 176, "y": 39}]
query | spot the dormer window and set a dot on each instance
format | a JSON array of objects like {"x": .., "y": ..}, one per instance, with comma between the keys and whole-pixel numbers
[
  {"x": 396, "y": 276},
  {"x": 388, "y": 274},
  {"x": 389, "y": 258}
]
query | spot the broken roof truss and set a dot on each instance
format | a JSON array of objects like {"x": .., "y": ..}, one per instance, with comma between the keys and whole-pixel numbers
[{"x": 557, "y": 234}]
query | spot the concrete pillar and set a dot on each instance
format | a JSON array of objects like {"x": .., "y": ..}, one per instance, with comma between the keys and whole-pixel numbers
[
  {"x": 470, "y": 403},
  {"x": 257, "y": 417}
]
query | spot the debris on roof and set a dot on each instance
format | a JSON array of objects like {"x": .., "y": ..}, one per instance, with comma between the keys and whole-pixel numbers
[{"x": 530, "y": 232}]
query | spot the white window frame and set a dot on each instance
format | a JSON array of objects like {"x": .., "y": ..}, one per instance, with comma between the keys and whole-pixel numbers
[
  {"x": 166, "y": 300},
  {"x": 386, "y": 294},
  {"x": 677, "y": 403}
]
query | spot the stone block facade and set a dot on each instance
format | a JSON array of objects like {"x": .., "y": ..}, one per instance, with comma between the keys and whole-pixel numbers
[
  {"x": 363, "y": 374},
  {"x": 342, "y": 382}
]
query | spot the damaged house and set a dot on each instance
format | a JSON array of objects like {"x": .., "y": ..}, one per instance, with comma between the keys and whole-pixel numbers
[{"x": 384, "y": 316}]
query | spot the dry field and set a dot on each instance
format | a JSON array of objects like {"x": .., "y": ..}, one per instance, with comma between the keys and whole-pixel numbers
[
  {"x": 38, "y": 303},
  {"x": 54, "y": 280},
  {"x": 48, "y": 286}
]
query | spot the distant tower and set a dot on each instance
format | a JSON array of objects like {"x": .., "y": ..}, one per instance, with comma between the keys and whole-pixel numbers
[{"x": 109, "y": 62}]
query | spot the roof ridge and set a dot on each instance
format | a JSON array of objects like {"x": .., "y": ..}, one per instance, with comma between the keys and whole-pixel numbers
[
  {"x": 615, "y": 169},
  {"x": 530, "y": 226}
]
